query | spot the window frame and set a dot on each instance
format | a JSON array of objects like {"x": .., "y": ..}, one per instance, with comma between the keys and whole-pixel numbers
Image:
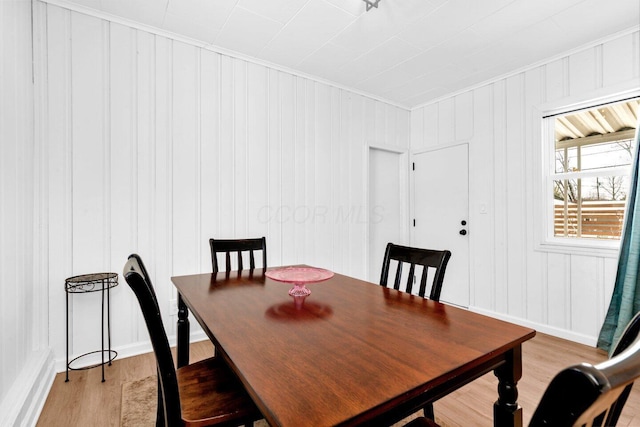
[{"x": 545, "y": 163}]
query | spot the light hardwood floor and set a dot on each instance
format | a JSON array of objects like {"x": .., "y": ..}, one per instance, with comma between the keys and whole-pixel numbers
[{"x": 85, "y": 401}]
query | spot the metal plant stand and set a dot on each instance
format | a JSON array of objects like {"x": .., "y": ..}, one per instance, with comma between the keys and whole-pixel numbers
[{"x": 99, "y": 282}]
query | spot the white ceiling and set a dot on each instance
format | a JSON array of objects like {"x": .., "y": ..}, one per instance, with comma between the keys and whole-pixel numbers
[{"x": 408, "y": 52}]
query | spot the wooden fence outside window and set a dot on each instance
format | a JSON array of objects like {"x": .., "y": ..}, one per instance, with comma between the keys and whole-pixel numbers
[{"x": 592, "y": 219}]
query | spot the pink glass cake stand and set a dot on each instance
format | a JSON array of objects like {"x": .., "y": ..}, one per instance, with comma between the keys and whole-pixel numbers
[{"x": 299, "y": 276}]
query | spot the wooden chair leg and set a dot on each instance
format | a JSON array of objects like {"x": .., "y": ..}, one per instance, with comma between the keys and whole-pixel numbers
[{"x": 428, "y": 411}]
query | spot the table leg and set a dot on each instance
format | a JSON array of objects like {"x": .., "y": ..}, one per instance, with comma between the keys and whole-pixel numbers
[
  {"x": 183, "y": 333},
  {"x": 506, "y": 411}
]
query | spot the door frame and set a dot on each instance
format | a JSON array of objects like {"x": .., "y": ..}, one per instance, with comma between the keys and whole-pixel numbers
[{"x": 405, "y": 199}]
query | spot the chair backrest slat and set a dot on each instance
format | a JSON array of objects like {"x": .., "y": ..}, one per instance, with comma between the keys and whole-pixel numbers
[
  {"x": 423, "y": 281},
  {"x": 412, "y": 272},
  {"x": 396, "y": 283},
  {"x": 427, "y": 258},
  {"x": 228, "y": 246},
  {"x": 227, "y": 261},
  {"x": 240, "y": 266}
]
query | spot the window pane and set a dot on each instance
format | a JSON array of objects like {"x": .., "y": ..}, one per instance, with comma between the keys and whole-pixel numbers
[
  {"x": 605, "y": 155},
  {"x": 605, "y": 188},
  {"x": 566, "y": 189},
  {"x": 589, "y": 146},
  {"x": 590, "y": 208},
  {"x": 566, "y": 160}
]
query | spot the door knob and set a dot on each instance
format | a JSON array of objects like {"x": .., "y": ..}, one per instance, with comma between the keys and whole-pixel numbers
[{"x": 463, "y": 232}]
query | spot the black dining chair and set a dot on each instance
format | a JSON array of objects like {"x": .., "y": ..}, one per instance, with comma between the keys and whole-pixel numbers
[
  {"x": 226, "y": 247},
  {"x": 205, "y": 393},
  {"x": 238, "y": 246},
  {"x": 427, "y": 258},
  {"x": 586, "y": 394},
  {"x": 627, "y": 338}
]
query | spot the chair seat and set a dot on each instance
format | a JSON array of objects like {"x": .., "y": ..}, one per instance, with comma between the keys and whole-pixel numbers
[
  {"x": 208, "y": 389},
  {"x": 422, "y": 422}
]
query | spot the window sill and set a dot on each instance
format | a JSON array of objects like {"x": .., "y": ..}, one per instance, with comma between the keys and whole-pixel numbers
[{"x": 580, "y": 247}]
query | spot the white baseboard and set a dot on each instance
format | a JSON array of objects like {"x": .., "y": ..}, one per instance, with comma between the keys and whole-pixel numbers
[
  {"x": 24, "y": 401},
  {"x": 128, "y": 350},
  {"x": 545, "y": 329}
]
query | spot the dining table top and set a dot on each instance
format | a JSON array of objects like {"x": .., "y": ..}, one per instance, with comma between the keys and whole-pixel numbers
[{"x": 350, "y": 352}]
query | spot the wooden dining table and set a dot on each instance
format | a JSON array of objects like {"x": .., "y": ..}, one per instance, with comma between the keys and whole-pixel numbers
[{"x": 352, "y": 352}]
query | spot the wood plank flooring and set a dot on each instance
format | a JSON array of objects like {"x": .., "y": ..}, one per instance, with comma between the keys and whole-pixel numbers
[{"x": 86, "y": 401}]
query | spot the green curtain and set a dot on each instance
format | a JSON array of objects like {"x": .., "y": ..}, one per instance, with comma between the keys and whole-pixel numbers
[{"x": 625, "y": 302}]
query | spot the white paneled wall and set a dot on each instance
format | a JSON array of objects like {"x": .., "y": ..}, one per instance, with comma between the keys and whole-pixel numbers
[
  {"x": 561, "y": 293},
  {"x": 156, "y": 145},
  {"x": 26, "y": 368}
]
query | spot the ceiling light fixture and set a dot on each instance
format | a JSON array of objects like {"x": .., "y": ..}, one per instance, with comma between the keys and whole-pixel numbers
[{"x": 371, "y": 3}]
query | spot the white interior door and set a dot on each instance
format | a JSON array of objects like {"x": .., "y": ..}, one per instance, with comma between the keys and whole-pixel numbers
[
  {"x": 387, "y": 185},
  {"x": 441, "y": 210}
]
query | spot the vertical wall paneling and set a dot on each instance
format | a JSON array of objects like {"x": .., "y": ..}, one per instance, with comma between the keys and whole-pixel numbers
[
  {"x": 338, "y": 216},
  {"x": 143, "y": 130},
  {"x": 10, "y": 197},
  {"x": 463, "y": 115},
  {"x": 287, "y": 211},
  {"x": 270, "y": 214},
  {"x": 257, "y": 149},
  {"x": 123, "y": 166},
  {"x": 227, "y": 159},
  {"x": 534, "y": 261},
  {"x": 612, "y": 72},
  {"x": 554, "y": 74},
  {"x": 162, "y": 125},
  {"x": 431, "y": 125},
  {"x": 185, "y": 164},
  {"x": 500, "y": 198},
  {"x": 322, "y": 159},
  {"x": 40, "y": 338},
  {"x": 59, "y": 170},
  {"x": 582, "y": 72},
  {"x": 159, "y": 145},
  {"x": 481, "y": 225},
  {"x": 558, "y": 274},
  {"x": 515, "y": 189},
  {"x": 301, "y": 183},
  {"x": 26, "y": 368},
  {"x": 348, "y": 208},
  {"x": 553, "y": 292},
  {"x": 446, "y": 121},
  {"x": 585, "y": 280},
  {"x": 416, "y": 119},
  {"x": 144, "y": 234},
  {"x": 358, "y": 153},
  {"x": 610, "y": 270},
  {"x": 90, "y": 174},
  {"x": 209, "y": 160},
  {"x": 240, "y": 146},
  {"x": 10, "y": 129},
  {"x": 308, "y": 211}
]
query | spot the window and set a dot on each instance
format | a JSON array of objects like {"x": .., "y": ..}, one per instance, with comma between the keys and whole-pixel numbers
[{"x": 589, "y": 173}]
